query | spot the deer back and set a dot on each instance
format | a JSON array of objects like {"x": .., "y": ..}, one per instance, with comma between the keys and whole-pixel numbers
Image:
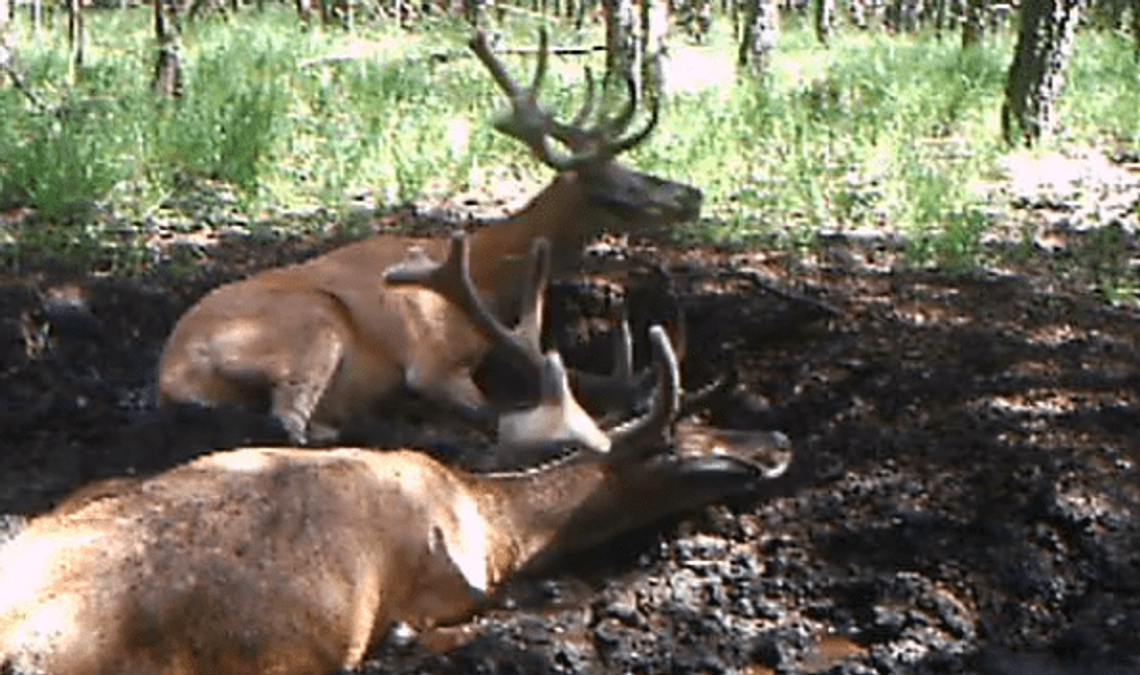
[
  {"x": 253, "y": 561},
  {"x": 294, "y": 561}
]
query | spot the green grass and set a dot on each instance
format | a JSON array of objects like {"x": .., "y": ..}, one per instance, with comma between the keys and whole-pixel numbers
[{"x": 876, "y": 131}]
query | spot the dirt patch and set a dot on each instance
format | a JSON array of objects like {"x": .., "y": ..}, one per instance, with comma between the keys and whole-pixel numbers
[{"x": 964, "y": 498}]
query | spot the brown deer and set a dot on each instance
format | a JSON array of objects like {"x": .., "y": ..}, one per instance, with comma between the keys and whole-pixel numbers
[
  {"x": 295, "y": 562},
  {"x": 327, "y": 340}
]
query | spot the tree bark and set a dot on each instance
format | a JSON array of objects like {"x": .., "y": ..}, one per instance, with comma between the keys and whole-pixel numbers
[
  {"x": 652, "y": 38},
  {"x": 974, "y": 27},
  {"x": 761, "y": 29},
  {"x": 859, "y": 14},
  {"x": 621, "y": 47},
  {"x": 75, "y": 35},
  {"x": 1136, "y": 29},
  {"x": 168, "y": 68},
  {"x": 37, "y": 10},
  {"x": 824, "y": 18},
  {"x": 1037, "y": 74}
]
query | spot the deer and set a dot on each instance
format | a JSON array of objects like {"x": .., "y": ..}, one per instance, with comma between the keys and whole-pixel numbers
[
  {"x": 328, "y": 340},
  {"x": 299, "y": 561}
]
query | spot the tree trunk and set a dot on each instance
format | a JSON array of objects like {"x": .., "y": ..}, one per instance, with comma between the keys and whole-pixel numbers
[
  {"x": 474, "y": 11},
  {"x": 168, "y": 69},
  {"x": 75, "y": 35},
  {"x": 37, "y": 10},
  {"x": 621, "y": 47},
  {"x": 761, "y": 29},
  {"x": 824, "y": 18},
  {"x": 1037, "y": 73},
  {"x": 1136, "y": 29},
  {"x": 974, "y": 27},
  {"x": 906, "y": 15},
  {"x": 651, "y": 44}
]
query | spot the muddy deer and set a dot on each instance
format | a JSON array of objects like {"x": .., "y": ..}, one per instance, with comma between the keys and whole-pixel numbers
[
  {"x": 324, "y": 341},
  {"x": 295, "y": 562}
]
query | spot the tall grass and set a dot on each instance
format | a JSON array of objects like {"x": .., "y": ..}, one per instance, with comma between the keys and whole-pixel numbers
[{"x": 874, "y": 132}]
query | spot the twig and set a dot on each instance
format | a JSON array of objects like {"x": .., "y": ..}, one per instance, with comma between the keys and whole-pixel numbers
[
  {"x": 757, "y": 279},
  {"x": 6, "y": 62}
]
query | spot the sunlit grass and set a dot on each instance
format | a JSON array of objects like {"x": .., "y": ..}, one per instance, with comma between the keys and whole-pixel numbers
[{"x": 877, "y": 131}]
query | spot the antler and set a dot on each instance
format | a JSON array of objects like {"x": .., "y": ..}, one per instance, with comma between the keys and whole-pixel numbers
[
  {"x": 452, "y": 280},
  {"x": 529, "y": 123},
  {"x": 557, "y": 417}
]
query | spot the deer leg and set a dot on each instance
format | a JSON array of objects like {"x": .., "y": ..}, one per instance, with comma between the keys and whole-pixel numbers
[{"x": 296, "y": 397}]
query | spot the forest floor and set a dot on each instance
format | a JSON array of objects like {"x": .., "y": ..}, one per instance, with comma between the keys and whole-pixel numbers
[{"x": 964, "y": 498}]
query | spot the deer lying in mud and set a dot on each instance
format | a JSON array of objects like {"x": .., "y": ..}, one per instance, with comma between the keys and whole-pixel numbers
[
  {"x": 327, "y": 340},
  {"x": 295, "y": 562}
]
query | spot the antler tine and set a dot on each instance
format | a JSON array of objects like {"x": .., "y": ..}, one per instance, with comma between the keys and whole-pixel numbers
[
  {"x": 529, "y": 328},
  {"x": 478, "y": 44},
  {"x": 526, "y": 121},
  {"x": 619, "y": 122},
  {"x": 540, "y": 66},
  {"x": 626, "y": 116},
  {"x": 452, "y": 280},
  {"x": 588, "y": 105},
  {"x": 632, "y": 438},
  {"x": 623, "y": 348}
]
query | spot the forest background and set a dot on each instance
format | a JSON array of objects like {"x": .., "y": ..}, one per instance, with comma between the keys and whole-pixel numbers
[{"x": 135, "y": 134}]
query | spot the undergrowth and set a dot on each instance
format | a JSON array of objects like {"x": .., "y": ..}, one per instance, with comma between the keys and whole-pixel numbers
[{"x": 874, "y": 132}]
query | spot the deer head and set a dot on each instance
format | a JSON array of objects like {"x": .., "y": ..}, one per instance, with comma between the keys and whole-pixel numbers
[
  {"x": 324, "y": 341},
  {"x": 624, "y": 199},
  {"x": 293, "y": 561}
]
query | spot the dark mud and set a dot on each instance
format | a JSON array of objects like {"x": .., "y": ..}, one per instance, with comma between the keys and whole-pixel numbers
[{"x": 965, "y": 496}]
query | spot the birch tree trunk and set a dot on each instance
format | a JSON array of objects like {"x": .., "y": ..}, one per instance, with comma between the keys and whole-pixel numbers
[
  {"x": 75, "y": 36},
  {"x": 168, "y": 67},
  {"x": 621, "y": 45},
  {"x": 974, "y": 27},
  {"x": 824, "y": 18},
  {"x": 1037, "y": 73},
  {"x": 1136, "y": 29},
  {"x": 761, "y": 29}
]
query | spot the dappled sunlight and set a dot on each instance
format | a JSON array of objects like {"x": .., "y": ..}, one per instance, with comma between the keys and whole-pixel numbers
[{"x": 1046, "y": 402}]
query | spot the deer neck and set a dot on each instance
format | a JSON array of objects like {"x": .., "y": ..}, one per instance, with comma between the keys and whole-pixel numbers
[
  {"x": 560, "y": 213},
  {"x": 547, "y": 511}
]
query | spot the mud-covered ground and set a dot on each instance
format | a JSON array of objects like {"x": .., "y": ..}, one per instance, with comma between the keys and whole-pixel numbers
[{"x": 965, "y": 496}]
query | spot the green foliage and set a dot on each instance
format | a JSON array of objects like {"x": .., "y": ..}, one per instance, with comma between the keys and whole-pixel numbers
[
  {"x": 1103, "y": 92},
  {"x": 875, "y": 131},
  {"x": 226, "y": 125},
  {"x": 62, "y": 165}
]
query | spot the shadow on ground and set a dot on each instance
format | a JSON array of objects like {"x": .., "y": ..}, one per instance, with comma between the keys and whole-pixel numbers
[{"x": 965, "y": 496}]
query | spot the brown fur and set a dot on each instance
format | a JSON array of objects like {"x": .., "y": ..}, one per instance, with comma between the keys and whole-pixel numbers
[
  {"x": 294, "y": 562},
  {"x": 326, "y": 341}
]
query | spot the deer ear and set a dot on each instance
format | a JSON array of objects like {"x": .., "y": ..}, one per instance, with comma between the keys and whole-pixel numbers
[{"x": 463, "y": 543}]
